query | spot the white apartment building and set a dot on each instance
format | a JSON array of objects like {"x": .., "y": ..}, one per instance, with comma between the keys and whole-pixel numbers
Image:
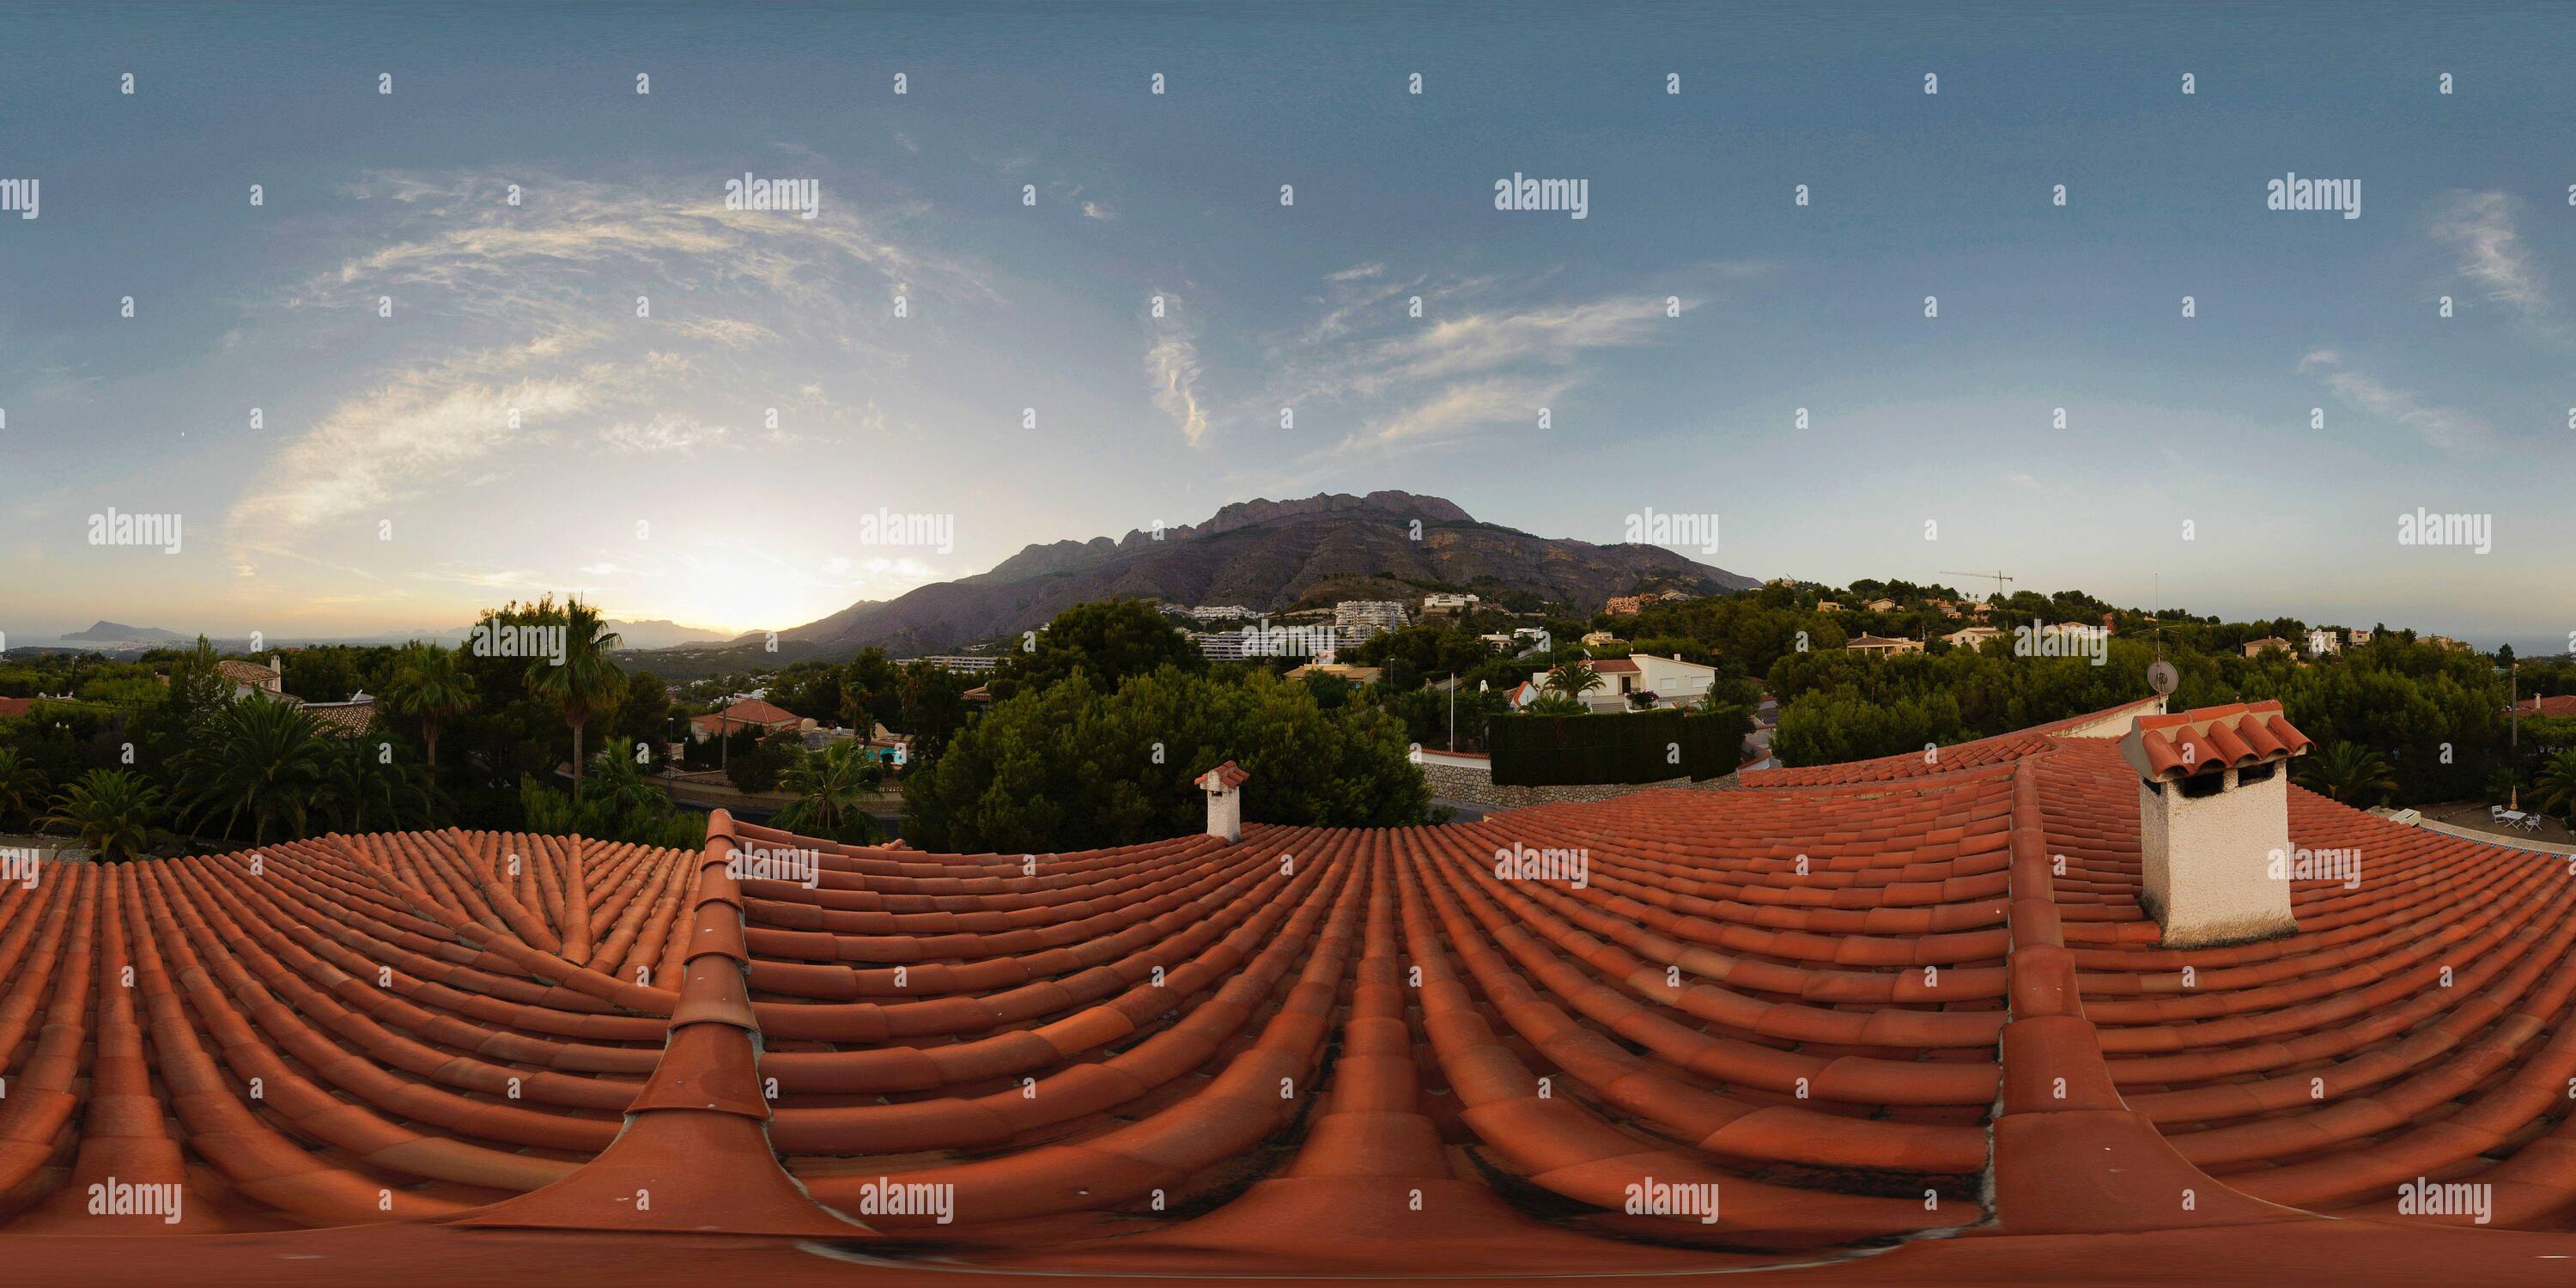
[
  {"x": 1320, "y": 643},
  {"x": 960, "y": 662},
  {"x": 1369, "y": 615},
  {"x": 1439, "y": 602}
]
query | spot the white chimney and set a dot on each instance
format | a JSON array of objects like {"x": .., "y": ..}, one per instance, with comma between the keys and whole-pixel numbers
[
  {"x": 2214, "y": 822},
  {"x": 1224, "y": 786}
]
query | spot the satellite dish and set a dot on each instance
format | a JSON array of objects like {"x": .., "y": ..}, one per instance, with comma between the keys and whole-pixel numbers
[{"x": 2163, "y": 678}]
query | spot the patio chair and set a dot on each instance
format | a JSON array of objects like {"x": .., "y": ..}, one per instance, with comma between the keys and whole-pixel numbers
[{"x": 2495, "y": 813}]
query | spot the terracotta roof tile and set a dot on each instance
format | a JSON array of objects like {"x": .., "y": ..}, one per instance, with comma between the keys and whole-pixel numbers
[{"x": 1823, "y": 993}]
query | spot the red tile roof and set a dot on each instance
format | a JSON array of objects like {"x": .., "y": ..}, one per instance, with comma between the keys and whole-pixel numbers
[
  {"x": 749, "y": 713},
  {"x": 343, "y": 718},
  {"x": 1614, "y": 666},
  {"x": 1330, "y": 1048},
  {"x": 1227, "y": 775},
  {"x": 2560, "y": 707},
  {"x": 254, "y": 674},
  {"x": 16, "y": 707}
]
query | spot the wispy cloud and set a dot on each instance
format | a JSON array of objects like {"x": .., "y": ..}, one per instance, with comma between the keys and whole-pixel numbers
[
  {"x": 633, "y": 298},
  {"x": 2478, "y": 227},
  {"x": 1172, "y": 364},
  {"x": 2444, "y": 427},
  {"x": 1471, "y": 362},
  {"x": 668, "y": 432},
  {"x": 380, "y": 444},
  {"x": 1461, "y": 409}
]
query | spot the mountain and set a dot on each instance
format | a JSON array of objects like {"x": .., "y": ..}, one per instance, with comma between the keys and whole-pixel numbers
[
  {"x": 659, "y": 633},
  {"x": 120, "y": 633},
  {"x": 1269, "y": 556}
]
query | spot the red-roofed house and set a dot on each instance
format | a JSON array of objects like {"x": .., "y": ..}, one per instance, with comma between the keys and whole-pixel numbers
[
  {"x": 750, "y": 713},
  {"x": 249, "y": 678},
  {"x": 2561, "y": 707},
  {"x": 1882, "y": 645}
]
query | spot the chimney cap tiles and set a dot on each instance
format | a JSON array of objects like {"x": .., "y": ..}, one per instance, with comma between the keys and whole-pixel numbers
[{"x": 2171, "y": 748}]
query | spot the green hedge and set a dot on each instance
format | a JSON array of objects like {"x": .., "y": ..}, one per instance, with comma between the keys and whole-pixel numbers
[{"x": 1613, "y": 747}]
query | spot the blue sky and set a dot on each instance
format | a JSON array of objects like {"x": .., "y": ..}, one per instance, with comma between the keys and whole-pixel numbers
[{"x": 387, "y": 489}]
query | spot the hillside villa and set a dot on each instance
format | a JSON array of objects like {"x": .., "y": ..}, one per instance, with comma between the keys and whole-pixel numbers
[
  {"x": 1670, "y": 681},
  {"x": 1882, "y": 645},
  {"x": 344, "y": 719}
]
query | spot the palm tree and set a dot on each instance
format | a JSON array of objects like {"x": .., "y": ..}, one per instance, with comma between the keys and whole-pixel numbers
[
  {"x": 2347, "y": 772},
  {"x": 1574, "y": 679},
  {"x": 618, "y": 786},
  {"x": 23, "y": 788},
  {"x": 427, "y": 684},
  {"x": 828, "y": 788},
  {"x": 585, "y": 682},
  {"x": 111, "y": 811},
  {"x": 262, "y": 757},
  {"x": 2555, "y": 788},
  {"x": 1556, "y": 704},
  {"x": 365, "y": 789}
]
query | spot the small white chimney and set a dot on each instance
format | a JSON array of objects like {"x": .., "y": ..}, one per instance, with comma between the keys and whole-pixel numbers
[
  {"x": 1224, "y": 786},
  {"x": 2214, "y": 822}
]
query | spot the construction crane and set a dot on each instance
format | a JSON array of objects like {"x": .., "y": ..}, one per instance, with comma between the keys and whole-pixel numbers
[{"x": 2000, "y": 579}]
